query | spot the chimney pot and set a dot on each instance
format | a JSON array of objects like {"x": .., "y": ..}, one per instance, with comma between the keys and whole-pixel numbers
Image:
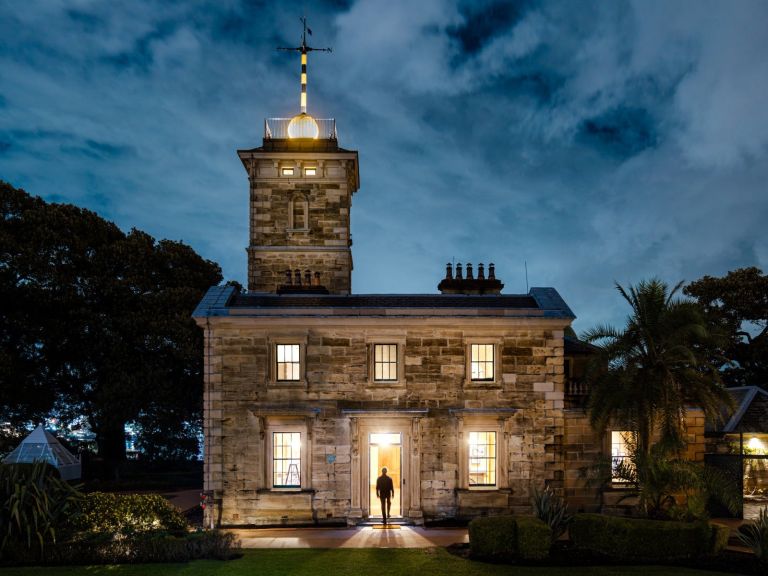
[
  {"x": 480, "y": 271},
  {"x": 491, "y": 271},
  {"x": 288, "y": 277},
  {"x": 459, "y": 275},
  {"x": 470, "y": 276},
  {"x": 307, "y": 277},
  {"x": 316, "y": 279},
  {"x": 297, "y": 275},
  {"x": 448, "y": 271}
]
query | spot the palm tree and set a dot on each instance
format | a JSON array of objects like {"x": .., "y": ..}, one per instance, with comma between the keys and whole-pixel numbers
[{"x": 649, "y": 373}]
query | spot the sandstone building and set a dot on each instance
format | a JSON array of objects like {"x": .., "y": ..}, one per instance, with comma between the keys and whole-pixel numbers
[{"x": 466, "y": 395}]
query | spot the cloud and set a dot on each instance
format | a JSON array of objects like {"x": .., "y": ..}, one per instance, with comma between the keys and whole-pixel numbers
[{"x": 609, "y": 141}]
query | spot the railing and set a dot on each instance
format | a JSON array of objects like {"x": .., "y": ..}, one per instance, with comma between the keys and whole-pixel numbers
[
  {"x": 576, "y": 393},
  {"x": 277, "y": 128}
]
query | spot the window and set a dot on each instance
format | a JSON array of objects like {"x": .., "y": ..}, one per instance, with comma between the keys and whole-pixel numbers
[
  {"x": 287, "y": 171},
  {"x": 385, "y": 362},
  {"x": 310, "y": 171},
  {"x": 286, "y": 460},
  {"x": 298, "y": 213},
  {"x": 288, "y": 362},
  {"x": 482, "y": 458},
  {"x": 620, "y": 454},
  {"x": 482, "y": 362}
]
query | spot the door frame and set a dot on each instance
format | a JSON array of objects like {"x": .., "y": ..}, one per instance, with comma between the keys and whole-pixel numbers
[
  {"x": 408, "y": 424},
  {"x": 373, "y": 507}
]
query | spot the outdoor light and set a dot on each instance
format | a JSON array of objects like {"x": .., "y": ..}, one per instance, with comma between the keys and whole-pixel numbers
[
  {"x": 756, "y": 444},
  {"x": 303, "y": 126}
]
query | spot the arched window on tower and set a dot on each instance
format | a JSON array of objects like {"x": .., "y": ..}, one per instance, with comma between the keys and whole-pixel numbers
[{"x": 298, "y": 213}]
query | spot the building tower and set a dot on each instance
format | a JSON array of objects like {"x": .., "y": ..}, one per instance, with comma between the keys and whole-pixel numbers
[{"x": 301, "y": 187}]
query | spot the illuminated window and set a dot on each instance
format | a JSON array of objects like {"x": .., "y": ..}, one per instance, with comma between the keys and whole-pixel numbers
[
  {"x": 310, "y": 172},
  {"x": 482, "y": 458},
  {"x": 620, "y": 454},
  {"x": 287, "y": 171},
  {"x": 385, "y": 362},
  {"x": 482, "y": 361},
  {"x": 286, "y": 460},
  {"x": 288, "y": 362}
]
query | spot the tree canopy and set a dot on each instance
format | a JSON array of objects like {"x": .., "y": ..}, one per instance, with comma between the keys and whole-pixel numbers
[
  {"x": 647, "y": 374},
  {"x": 737, "y": 305},
  {"x": 97, "y": 322}
]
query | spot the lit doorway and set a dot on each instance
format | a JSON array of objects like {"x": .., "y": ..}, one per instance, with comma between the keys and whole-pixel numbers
[{"x": 385, "y": 451}]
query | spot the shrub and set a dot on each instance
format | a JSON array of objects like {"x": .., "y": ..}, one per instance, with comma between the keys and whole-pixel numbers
[
  {"x": 35, "y": 505},
  {"x": 509, "y": 537},
  {"x": 640, "y": 539},
  {"x": 551, "y": 509},
  {"x": 128, "y": 513},
  {"x": 755, "y": 536}
]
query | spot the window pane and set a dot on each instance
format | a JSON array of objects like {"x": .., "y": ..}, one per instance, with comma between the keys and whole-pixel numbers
[
  {"x": 482, "y": 458},
  {"x": 385, "y": 361},
  {"x": 286, "y": 459},
  {"x": 482, "y": 362},
  {"x": 287, "y": 171},
  {"x": 288, "y": 363},
  {"x": 620, "y": 453}
]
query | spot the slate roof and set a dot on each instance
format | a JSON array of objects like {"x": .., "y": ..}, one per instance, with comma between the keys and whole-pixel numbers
[
  {"x": 751, "y": 413},
  {"x": 227, "y": 301}
]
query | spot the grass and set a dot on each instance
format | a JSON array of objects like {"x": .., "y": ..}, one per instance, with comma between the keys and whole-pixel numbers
[{"x": 350, "y": 562}]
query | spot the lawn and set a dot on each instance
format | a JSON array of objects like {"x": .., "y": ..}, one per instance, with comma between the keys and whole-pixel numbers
[{"x": 352, "y": 562}]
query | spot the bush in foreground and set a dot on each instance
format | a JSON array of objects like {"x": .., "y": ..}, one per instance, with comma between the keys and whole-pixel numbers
[
  {"x": 509, "y": 537},
  {"x": 634, "y": 539},
  {"x": 123, "y": 514}
]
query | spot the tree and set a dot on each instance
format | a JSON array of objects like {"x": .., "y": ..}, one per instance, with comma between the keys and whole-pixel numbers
[
  {"x": 95, "y": 321},
  {"x": 647, "y": 374},
  {"x": 737, "y": 304}
]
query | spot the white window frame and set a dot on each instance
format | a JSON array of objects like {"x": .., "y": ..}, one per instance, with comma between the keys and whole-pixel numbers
[
  {"x": 273, "y": 342},
  {"x": 482, "y": 424},
  {"x": 611, "y": 448},
  {"x": 288, "y": 425},
  {"x": 399, "y": 341},
  {"x": 497, "y": 344}
]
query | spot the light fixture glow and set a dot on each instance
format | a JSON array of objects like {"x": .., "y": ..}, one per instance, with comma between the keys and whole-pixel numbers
[
  {"x": 303, "y": 126},
  {"x": 756, "y": 444}
]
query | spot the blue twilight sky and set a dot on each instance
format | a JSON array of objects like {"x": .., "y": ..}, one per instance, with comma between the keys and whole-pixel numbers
[{"x": 598, "y": 141}]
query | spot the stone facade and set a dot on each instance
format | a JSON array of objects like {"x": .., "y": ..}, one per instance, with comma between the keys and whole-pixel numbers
[
  {"x": 337, "y": 404},
  {"x": 300, "y": 202}
]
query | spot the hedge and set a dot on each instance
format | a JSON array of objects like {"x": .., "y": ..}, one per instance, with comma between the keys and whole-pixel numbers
[
  {"x": 104, "y": 512},
  {"x": 646, "y": 540},
  {"x": 139, "y": 548},
  {"x": 509, "y": 537}
]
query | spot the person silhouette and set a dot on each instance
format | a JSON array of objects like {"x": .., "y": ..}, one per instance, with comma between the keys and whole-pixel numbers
[{"x": 385, "y": 491}]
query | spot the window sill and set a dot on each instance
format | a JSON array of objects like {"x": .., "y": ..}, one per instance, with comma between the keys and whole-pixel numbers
[
  {"x": 385, "y": 383},
  {"x": 296, "y": 384},
  {"x": 488, "y": 489},
  {"x": 297, "y": 230},
  {"x": 287, "y": 491},
  {"x": 482, "y": 384}
]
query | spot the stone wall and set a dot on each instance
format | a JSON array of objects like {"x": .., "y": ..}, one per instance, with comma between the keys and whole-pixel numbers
[{"x": 240, "y": 395}]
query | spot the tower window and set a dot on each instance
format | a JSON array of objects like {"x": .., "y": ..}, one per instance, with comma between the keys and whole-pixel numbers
[
  {"x": 298, "y": 213},
  {"x": 287, "y": 171},
  {"x": 310, "y": 172}
]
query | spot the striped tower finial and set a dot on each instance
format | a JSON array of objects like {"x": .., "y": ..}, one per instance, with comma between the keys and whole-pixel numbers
[{"x": 304, "y": 50}]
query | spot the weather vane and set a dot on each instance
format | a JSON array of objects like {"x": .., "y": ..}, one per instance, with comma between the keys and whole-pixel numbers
[{"x": 304, "y": 50}]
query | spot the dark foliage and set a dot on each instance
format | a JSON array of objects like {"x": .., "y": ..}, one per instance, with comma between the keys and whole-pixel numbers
[
  {"x": 509, "y": 537},
  {"x": 737, "y": 305},
  {"x": 95, "y": 321}
]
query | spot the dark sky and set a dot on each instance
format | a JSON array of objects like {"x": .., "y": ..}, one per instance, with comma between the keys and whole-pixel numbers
[{"x": 598, "y": 141}]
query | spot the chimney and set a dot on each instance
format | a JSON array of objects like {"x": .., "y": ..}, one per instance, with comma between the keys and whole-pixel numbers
[
  {"x": 470, "y": 285},
  {"x": 294, "y": 284},
  {"x": 288, "y": 278},
  {"x": 307, "y": 278},
  {"x": 316, "y": 279},
  {"x": 297, "y": 274}
]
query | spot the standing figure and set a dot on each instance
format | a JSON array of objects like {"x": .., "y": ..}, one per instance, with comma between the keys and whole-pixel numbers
[{"x": 385, "y": 491}]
